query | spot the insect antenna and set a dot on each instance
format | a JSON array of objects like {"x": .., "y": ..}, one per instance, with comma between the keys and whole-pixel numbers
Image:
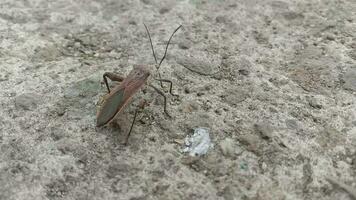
[
  {"x": 165, "y": 52},
  {"x": 149, "y": 36}
]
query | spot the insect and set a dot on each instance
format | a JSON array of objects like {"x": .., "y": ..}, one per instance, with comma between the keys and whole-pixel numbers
[{"x": 118, "y": 98}]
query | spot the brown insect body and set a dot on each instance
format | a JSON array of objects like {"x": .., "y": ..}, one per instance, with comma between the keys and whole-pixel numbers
[
  {"x": 128, "y": 87},
  {"x": 119, "y": 97}
]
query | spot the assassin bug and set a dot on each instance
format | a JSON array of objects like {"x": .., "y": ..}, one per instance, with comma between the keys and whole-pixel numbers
[{"x": 119, "y": 97}]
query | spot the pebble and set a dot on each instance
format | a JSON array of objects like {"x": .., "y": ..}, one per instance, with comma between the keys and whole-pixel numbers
[
  {"x": 264, "y": 129},
  {"x": 48, "y": 53},
  {"x": 199, "y": 143},
  {"x": 235, "y": 95},
  {"x": 219, "y": 111},
  {"x": 164, "y": 10},
  {"x": 132, "y": 22},
  {"x": 221, "y": 19},
  {"x": 187, "y": 90},
  {"x": 57, "y": 133},
  {"x": 227, "y": 147},
  {"x": 349, "y": 79},
  {"x": 4, "y": 77},
  {"x": 27, "y": 101},
  {"x": 314, "y": 103},
  {"x": 82, "y": 89},
  {"x": 251, "y": 141},
  {"x": 330, "y": 37},
  {"x": 244, "y": 72},
  {"x": 228, "y": 193},
  {"x": 77, "y": 44},
  {"x": 184, "y": 44},
  {"x": 200, "y": 66},
  {"x": 189, "y": 107},
  {"x": 291, "y": 124}
]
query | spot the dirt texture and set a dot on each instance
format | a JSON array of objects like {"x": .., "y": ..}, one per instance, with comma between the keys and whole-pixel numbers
[{"x": 273, "y": 80}]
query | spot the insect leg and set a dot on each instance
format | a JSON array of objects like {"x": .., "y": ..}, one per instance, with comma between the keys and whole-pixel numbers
[
  {"x": 170, "y": 85},
  {"x": 141, "y": 106},
  {"x": 160, "y": 78},
  {"x": 133, "y": 122},
  {"x": 164, "y": 98},
  {"x": 112, "y": 77}
]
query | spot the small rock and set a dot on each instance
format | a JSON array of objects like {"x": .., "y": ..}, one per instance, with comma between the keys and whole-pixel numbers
[
  {"x": 235, "y": 95},
  {"x": 290, "y": 15},
  {"x": 225, "y": 55},
  {"x": 190, "y": 106},
  {"x": 227, "y": 193},
  {"x": 115, "y": 169},
  {"x": 217, "y": 168},
  {"x": 146, "y": 1},
  {"x": 197, "y": 65},
  {"x": 82, "y": 89},
  {"x": 27, "y": 101},
  {"x": 313, "y": 102},
  {"x": 77, "y": 44},
  {"x": 160, "y": 189},
  {"x": 252, "y": 142},
  {"x": 4, "y": 77},
  {"x": 244, "y": 63},
  {"x": 54, "y": 75},
  {"x": 350, "y": 79},
  {"x": 330, "y": 134},
  {"x": 199, "y": 143},
  {"x": 292, "y": 124},
  {"x": 227, "y": 147},
  {"x": 187, "y": 90},
  {"x": 221, "y": 19},
  {"x": 59, "y": 109},
  {"x": 244, "y": 72},
  {"x": 184, "y": 44},
  {"x": 219, "y": 111},
  {"x": 57, "y": 133},
  {"x": 264, "y": 129},
  {"x": 264, "y": 166},
  {"x": 48, "y": 53},
  {"x": 132, "y": 22},
  {"x": 200, "y": 94},
  {"x": 189, "y": 160},
  {"x": 11, "y": 94},
  {"x": 330, "y": 37},
  {"x": 164, "y": 10}
]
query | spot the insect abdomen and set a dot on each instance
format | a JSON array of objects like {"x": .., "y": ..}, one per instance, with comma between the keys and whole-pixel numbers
[{"x": 110, "y": 107}]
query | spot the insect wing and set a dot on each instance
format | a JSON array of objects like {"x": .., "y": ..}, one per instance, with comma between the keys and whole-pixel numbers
[{"x": 111, "y": 106}]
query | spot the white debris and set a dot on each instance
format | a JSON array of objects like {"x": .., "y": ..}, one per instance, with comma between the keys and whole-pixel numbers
[{"x": 199, "y": 143}]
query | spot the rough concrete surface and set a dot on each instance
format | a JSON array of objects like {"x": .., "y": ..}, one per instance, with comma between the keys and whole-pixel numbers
[{"x": 273, "y": 80}]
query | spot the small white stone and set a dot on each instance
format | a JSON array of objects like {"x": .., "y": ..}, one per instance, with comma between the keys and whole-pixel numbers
[
  {"x": 227, "y": 147},
  {"x": 199, "y": 143}
]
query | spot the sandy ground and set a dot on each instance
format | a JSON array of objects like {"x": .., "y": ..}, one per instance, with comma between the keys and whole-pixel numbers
[{"x": 281, "y": 110}]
